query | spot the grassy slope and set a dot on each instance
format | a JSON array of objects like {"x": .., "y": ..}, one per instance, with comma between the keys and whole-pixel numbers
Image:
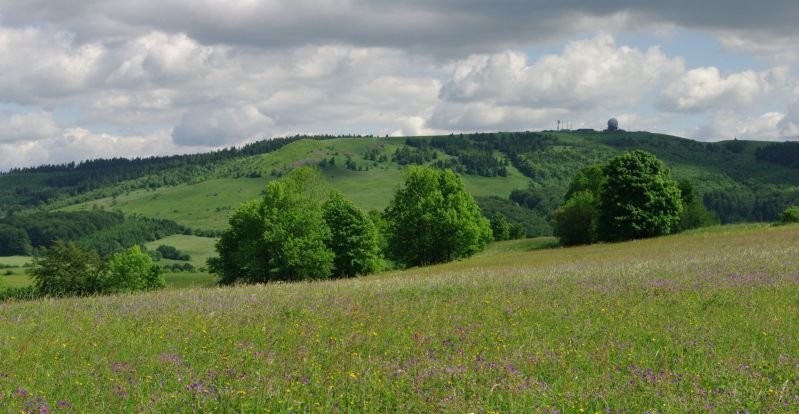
[
  {"x": 206, "y": 205},
  {"x": 670, "y": 325}
]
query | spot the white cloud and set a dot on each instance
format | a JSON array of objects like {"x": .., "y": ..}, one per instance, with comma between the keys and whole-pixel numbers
[
  {"x": 77, "y": 144},
  {"x": 770, "y": 126},
  {"x": 705, "y": 88},
  {"x": 216, "y": 127},
  {"x": 28, "y": 127},
  {"x": 506, "y": 91},
  {"x": 588, "y": 73}
]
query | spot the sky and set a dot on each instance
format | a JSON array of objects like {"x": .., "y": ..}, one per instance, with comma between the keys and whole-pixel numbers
[{"x": 84, "y": 79}]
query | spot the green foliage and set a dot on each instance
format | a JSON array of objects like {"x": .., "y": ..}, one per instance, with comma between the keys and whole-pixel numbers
[
  {"x": 132, "y": 270},
  {"x": 694, "y": 214},
  {"x": 433, "y": 220},
  {"x": 133, "y": 231},
  {"x": 576, "y": 221},
  {"x": 638, "y": 198},
  {"x": 353, "y": 240},
  {"x": 589, "y": 179},
  {"x": 532, "y": 222},
  {"x": 44, "y": 228},
  {"x": 171, "y": 252},
  {"x": 500, "y": 228},
  {"x": 790, "y": 215},
  {"x": 65, "y": 270},
  {"x": 282, "y": 237},
  {"x": 14, "y": 241}
]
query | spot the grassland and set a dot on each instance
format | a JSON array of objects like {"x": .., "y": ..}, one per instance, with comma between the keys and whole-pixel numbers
[
  {"x": 699, "y": 322},
  {"x": 207, "y": 204}
]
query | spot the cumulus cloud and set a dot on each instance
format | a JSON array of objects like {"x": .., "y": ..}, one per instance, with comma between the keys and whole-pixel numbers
[
  {"x": 28, "y": 127},
  {"x": 587, "y": 73},
  {"x": 771, "y": 126},
  {"x": 221, "y": 126},
  {"x": 442, "y": 27},
  {"x": 505, "y": 89},
  {"x": 77, "y": 144},
  {"x": 700, "y": 89}
]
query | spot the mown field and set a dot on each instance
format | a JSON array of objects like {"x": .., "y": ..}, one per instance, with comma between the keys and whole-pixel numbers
[{"x": 700, "y": 322}]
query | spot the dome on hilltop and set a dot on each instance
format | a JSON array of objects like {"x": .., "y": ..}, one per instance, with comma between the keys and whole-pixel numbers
[{"x": 613, "y": 124}]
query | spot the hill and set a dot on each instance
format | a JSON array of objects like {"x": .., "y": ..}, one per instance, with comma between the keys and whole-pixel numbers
[
  {"x": 738, "y": 180},
  {"x": 675, "y": 324}
]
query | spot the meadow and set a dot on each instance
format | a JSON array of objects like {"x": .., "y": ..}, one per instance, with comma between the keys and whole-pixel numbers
[
  {"x": 704, "y": 321},
  {"x": 14, "y": 275}
]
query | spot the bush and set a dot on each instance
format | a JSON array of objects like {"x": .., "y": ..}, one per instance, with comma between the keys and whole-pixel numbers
[
  {"x": 789, "y": 215},
  {"x": 132, "y": 270},
  {"x": 172, "y": 253}
]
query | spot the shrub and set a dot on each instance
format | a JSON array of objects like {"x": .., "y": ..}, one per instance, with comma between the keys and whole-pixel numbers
[
  {"x": 132, "y": 270},
  {"x": 789, "y": 215}
]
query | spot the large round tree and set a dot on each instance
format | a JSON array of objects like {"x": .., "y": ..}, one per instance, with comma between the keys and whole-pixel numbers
[
  {"x": 432, "y": 219},
  {"x": 282, "y": 237},
  {"x": 638, "y": 198}
]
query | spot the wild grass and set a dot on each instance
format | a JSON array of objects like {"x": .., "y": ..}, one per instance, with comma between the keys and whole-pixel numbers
[{"x": 702, "y": 322}]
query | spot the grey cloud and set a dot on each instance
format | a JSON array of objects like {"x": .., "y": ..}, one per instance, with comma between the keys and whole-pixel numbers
[{"x": 443, "y": 27}]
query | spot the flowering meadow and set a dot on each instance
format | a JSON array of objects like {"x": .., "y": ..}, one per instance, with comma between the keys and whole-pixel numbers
[{"x": 699, "y": 322}]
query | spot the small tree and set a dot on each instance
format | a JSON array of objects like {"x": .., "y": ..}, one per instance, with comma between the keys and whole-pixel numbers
[
  {"x": 638, "y": 198},
  {"x": 500, "y": 227},
  {"x": 790, "y": 215},
  {"x": 132, "y": 270},
  {"x": 354, "y": 240},
  {"x": 432, "y": 219},
  {"x": 65, "y": 269},
  {"x": 694, "y": 214},
  {"x": 575, "y": 220}
]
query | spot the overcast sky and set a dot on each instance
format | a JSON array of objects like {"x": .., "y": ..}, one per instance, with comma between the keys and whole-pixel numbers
[{"x": 90, "y": 78}]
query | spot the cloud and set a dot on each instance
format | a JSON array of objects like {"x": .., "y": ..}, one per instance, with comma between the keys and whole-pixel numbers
[
  {"x": 443, "y": 27},
  {"x": 589, "y": 75},
  {"x": 28, "y": 127},
  {"x": 770, "y": 126},
  {"x": 701, "y": 89},
  {"x": 77, "y": 144},
  {"x": 221, "y": 126}
]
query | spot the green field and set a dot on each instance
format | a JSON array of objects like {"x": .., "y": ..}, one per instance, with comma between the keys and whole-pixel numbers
[
  {"x": 207, "y": 204},
  {"x": 698, "y": 322},
  {"x": 199, "y": 248}
]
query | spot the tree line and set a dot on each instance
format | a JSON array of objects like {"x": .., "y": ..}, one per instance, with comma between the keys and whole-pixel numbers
[{"x": 102, "y": 231}]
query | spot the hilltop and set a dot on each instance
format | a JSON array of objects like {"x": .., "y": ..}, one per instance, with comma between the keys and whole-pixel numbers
[{"x": 523, "y": 174}]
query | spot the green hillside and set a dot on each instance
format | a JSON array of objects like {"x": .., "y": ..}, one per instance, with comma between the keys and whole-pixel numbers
[
  {"x": 738, "y": 180},
  {"x": 677, "y": 324}
]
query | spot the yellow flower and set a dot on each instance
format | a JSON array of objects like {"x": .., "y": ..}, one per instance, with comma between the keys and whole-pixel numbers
[{"x": 353, "y": 375}]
